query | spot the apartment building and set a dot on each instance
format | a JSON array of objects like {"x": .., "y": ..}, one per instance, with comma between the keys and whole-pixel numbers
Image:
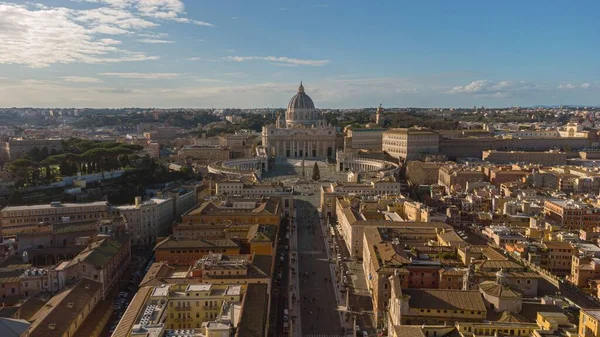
[
  {"x": 104, "y": 260},
  {"x": 236, "y": 211},
  {"x": 352, "y": 225},
  {"x": 55, "y": 212},
  {"x": 185, "y": 252},
  {"x": 554, "y": 256},
  {"x": 147, "y": 220},
  {"x": 210, "y": 309},
  {"x": 213, "y": 268},
  {"x": 410, "y": 143},
  {"x": 589, "y": 323},
  {"x": 433, "y": 306},
  {"x": 570, "y": 214},
  {"x": 329, "y": 194},
  {"x": 455, "y": 178},
  {"x": 237, "y": 188},
  {"x": 384, "y": 255},
  {"x": 18, "y": 147}
]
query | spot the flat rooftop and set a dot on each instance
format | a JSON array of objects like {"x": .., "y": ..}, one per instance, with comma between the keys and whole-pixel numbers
[{"x": 198, "y": 287}]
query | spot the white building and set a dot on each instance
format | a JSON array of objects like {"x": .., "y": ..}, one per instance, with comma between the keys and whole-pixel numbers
[
  {"x": 147, "y": 220},
  {"x": 236, "y": 188},
  {"x": 302, "y": 135}
]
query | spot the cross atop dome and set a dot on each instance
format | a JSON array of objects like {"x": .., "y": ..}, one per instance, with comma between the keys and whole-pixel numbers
[{"x": 300, "y": 88}]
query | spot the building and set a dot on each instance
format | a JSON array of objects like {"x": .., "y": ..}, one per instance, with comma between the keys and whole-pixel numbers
[
  {"x": 554, "y": 256},
  {"x": 146, "y": 221},
  {"x": 184, "y": 199},
  {"x": 21, "y": 217},
  {"x": 570, "y": 214},
  {"x": 547, "y": 158},
  {"x": 385, "y": 254},
  {"x": 352, "y": 225},
  {"x": 186, "y": 251},
  {"x": 329, "y": 194},
  {"x": 214, "y": 268},
  {"x": 174, "y": 309},
  {"x": 104, "y": 261},
  {"x": 205, "y": 153},
  {"x": 455, "y": 178},
  {"x": 66, "y": 312},
  {"x": 433, "y": 306},
  {"x": 410, "y": 143},
  {"x": 267, "y": 211},
  {"x": 18, "y": 147},
  {"x": 238, "y": 188},
  {"x": 302, "y": 134},
  {"x": 364, "y": 139},
  {"x": 152, "y": 149},
  {"x": 588, "y": 323}
]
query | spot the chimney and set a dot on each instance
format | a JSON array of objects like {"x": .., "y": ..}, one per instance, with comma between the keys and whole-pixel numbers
[{"x": 138, "y": 202}]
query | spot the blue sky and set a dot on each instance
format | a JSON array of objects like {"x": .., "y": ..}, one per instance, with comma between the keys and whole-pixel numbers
[{"x": 241, "y": 53}]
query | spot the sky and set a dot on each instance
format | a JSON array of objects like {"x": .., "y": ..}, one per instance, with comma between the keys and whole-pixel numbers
[{"x": 254, "y": 53}]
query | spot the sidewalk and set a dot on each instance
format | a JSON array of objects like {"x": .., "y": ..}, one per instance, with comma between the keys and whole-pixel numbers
[
  {"x": 294, "y": 282},
  {"x": 339, "y": 295}
]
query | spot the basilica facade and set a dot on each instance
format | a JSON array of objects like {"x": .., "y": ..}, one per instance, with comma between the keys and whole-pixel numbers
[{"x": 303, "y": 134}]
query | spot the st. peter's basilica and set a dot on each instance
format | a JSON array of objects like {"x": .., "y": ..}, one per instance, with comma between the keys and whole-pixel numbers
[{"x": 303, "y": 134}]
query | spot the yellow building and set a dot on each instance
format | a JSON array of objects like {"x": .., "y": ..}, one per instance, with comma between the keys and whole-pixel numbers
[
  {"x": 264, "y": 212},
  {"x": 588, "y": 323},
  {"x": 433, "y": 306},
  {"x": 205, "y": 307},
  {"x": 186, "y": 252}
]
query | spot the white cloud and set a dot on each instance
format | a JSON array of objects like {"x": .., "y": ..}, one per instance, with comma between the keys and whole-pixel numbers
[
  {"x": 280, "y": 60},
  {"x": 321, "y": 6},
  {"x": 234, "y": 17},
  {"x": 40, "y": 37},
  {"x": 230, "y": 50},
  {"x": 155, "y": 41},
  {"x": 566, "y": 86},
  {"x": 143, "y": 76},
  {"x": 495, "y": 89},
  {"x": 81, "y": 79},
  {"x": 214, "y": 80},
  {"x": 108, "y": 20},
  {"x": 195, "y": 58},
  {"x": 586, "y": 85},
  {"x": 153, "y": 35},
  {"x": 173, "y": 10}
]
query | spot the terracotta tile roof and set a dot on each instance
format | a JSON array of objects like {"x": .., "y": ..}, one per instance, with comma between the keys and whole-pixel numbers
[
  {"x": 409, "y": 331},
  {"x": 95, "y": 318},
  {"x": 133, "y": 311},
  {"x": 28, "y": 308},
  {"x": 445, "y": 299},
  {"x": 171, "y": 242},
  {"x": 494, "y": 289},
  {"x": 99, "y": 253},
  {"x": 253, "y": 319},
  {"x": 58, "y": 314}
]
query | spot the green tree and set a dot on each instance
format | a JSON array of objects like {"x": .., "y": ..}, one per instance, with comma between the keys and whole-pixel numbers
[{"x": 316, "y": 175}]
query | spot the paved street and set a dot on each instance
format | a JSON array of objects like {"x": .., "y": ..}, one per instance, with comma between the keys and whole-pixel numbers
[
  {"x": 318, "y": 275},
  {"x": 318, "y": 303}
]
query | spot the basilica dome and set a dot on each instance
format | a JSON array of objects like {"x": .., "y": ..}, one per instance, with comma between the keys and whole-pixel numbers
[{"x": 301, "y": 110}]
